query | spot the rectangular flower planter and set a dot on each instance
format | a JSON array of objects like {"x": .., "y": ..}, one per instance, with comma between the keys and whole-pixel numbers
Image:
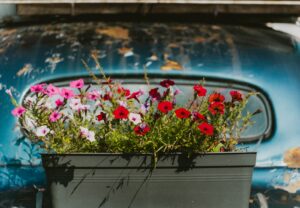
[{"x": 207, "y": 180}]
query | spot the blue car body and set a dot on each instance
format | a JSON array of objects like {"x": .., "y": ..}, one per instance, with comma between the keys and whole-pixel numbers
[{"x": 254, "y": 56}]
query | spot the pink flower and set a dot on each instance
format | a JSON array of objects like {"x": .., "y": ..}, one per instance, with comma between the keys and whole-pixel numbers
[
  {"x": 52, "y": 90},
  {"x": 59, "y": 103},
  {"x": 66, "y": 93},
  {"x": 37, "y": 88},
  {"x": 18, "y": 111},
  {"x": 77, "y": 84},
  {"x": 94, "y": 95},
  {"x": 55, "y": 116}
]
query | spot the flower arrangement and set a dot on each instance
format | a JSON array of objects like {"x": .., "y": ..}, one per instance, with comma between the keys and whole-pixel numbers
[{"x": 107, "y": 117}]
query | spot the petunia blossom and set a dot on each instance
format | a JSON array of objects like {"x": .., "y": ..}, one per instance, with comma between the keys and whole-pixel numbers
[
  {"x": 135, "y": 95},
  {"x": 216, "y": 108},
  {"x": 182, "y": 113},
  {"x": 52, "y": 90},
  {"x": 236, "y": 95},
  {"x": 121, "y": 113},
  {"x": 66, "y": 93},
  {"x": 198, "y": 116},
  {"x": 59, "y": 103},
  {"x": 42, "y": 131},
  {"x": 154, "y": 94},
  {"x": 77, "y": 84},
  {"x": 101, "y": 117},
  {"x": 206, "y": 129},
  {"x": 200, "y": 90},
  {"x": 167, "y": 83},
  {"x": 18, "y": 111},
  {"x": 89, "y": 135},
  {"x": 216, "y": 97},
  {"x": 165, "y": 106},
  {"x": 141, "y": 129},
  {"x": 55, "y": 116},
  {"x": 93, "y": 95},
  {"x": 75, "y": 104},
  {"x": 37, "y": 88},
  {"x": 135, "y": 118}
]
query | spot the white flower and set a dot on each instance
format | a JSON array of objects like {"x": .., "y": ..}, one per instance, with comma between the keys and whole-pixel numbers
[
  {"x": 8, "y": 91},
  {"x": 89, "y": 135},
  {"x": 42, "y": 131},
  {"x": 50, "y": 105},
  {"x": 84, "y": 107},
  {"x": 30, "y": 99},
  {"x": 135, "y": 118},
  {"x": 122, "y": 103},
  {"x": 75, "y": 104},
  {"x": 30, "y": 123}
]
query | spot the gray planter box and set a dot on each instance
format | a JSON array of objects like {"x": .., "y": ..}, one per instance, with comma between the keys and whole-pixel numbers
[{"x": 128, "y": 180}]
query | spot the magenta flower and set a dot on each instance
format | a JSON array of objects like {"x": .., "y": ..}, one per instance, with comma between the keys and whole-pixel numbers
[
  {"x": 94, "y": 95},
  {"x": 66, "y": 93},
  {"x": 52, "y": 90},
  {"x": 55, "y": 116},
  {"x": 18, "y": 111},
  {"x": 37, "y": 88},
  {"x": 77, "y": 84},
  {"x": 59, "y": 103}
]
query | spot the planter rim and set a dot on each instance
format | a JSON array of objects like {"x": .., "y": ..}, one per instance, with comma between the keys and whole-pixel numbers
[{"x": 143, "y": 154}]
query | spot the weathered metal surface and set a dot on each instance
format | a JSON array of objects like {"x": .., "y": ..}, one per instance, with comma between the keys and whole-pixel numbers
[
  {"x": 255, "y": 55},
  {"x": 158, "y": 8}
]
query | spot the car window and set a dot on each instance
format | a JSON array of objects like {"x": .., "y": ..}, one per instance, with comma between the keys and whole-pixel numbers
[{"x": 262, "y": 121}]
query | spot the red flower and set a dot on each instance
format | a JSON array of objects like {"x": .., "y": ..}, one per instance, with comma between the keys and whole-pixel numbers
[
  {"x": 206, "y": 129},
  {"x": 201, "y": 91},
  {"x": 216, "y": 107},
  {"x": 107, "y": 96},
  {"x": 236, "y": 95},
  {"x": 101, "y": 116},
  {"x": 141, "y": 130},
  {"x": 198, "y": 116},
  {"x": 216, "y": 97},
  {"x": 123, "y": 91},
  {"x": 135, "y": 95},
  {"x": 167, "y": 83},
  {"x": 121, "y": 113},
  {"x": 182, "y": 113},
  {"x": 165, "y": 106},
  {"x": 154, "y": 94}
]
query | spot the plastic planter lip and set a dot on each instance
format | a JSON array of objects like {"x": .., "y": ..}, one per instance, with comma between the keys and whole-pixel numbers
[{"x": 132, "y": 160}]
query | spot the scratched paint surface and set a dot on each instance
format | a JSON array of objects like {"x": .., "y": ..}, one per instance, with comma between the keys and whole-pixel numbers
[{"x": 264, "y": 58}]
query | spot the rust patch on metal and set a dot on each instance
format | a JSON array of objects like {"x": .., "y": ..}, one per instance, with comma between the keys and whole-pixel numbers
[
  {"x": 125, "y": 51},
  {"x": 27, "y": 68},
  {"x": 292, "y": 157},
  {"x": 114, "y": 32},
  {"x": 153, "y": 57},
  {"x": 199, "y": 39},
  {"x": 291, "y": 187},
  {"x": 6, "y": 32},
  {"x": 171, "y": 65}
]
